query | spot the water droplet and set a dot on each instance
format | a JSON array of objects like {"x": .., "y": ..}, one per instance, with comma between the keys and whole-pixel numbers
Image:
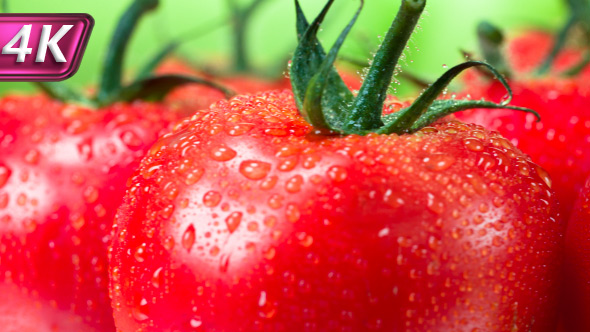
[
  {"x": 193, "y": 176},
  {"x": 169, "y": 243},
  {"x": 157, "y": 278},
  {"x": 266, "y": 308},
  {"x": 222, "y": 153},
  {"x": 214, "y": 251},
  {"x": 253, "y": 226},
  {"x": 270, "y": 253},
  {"x": 288, "y": 164},
  {"x": 32, "y": 156},
  {"x": 337, "y": 173},
  {"x": 211, "y": 198},
  {"x": 543, "y": 175},
  {"x": 254, "y": 170},
  {"x": 275, "y": 201},
  {"x": 434, "y": 204},
  {"x": 393, "y": 199},
  {"x": 90, "y": 194},
  {"x": 140, "y": 310},
  {"x": 293, "y": 185},
  {"x": 131, "y": 139},
  {"x": 292, "y": 213},
  {"x": 268, "y": 183},
  {"x": 85, "y": 149},
  {"x": 77, "y": 220},
  {"x": 140, "y": 253},
  {"x": 188, "y": 238},
  {"x": 439, "y": 162},
  {"x": 4, "y": 175},
  {"x": 233, "y": 221},
  {"x": 305, "y": 239},
  {"x": 196, "y": 323}
]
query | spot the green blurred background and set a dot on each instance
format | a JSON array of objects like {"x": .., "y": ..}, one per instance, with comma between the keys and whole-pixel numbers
[{"x": 446, "y": 27}]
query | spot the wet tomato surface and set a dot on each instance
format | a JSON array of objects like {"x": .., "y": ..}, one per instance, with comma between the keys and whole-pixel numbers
[{"x": 244, "y": 219}]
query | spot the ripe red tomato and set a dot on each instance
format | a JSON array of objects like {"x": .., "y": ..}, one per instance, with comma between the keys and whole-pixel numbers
[
  {"x": 324, "y": 210},
  {"x": 242, "y": 219},
  {"x": 578, "y": 264},
  {"x": 63, "y": 170},
  {"x": 559, "y": 143}
]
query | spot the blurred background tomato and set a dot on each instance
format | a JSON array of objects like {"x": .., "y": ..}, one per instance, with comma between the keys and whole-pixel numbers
[{"x": 447, "y": 27}]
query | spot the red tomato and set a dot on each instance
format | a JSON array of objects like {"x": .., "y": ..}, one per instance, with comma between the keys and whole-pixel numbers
[
  {"x": 578, "y": 264},
  {"x": 63, "y": 170},
  {"x": 559, "y": 143},
  {"x": 243, "y": 219}
]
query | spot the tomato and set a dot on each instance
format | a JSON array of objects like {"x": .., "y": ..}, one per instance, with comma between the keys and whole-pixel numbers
[{"x": 322, "y": 210}]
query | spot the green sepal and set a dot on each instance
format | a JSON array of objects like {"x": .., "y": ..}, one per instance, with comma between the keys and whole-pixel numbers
[
  {"x": 330, "y": 106},
  {"x": 113, "y": 65},
  {"x": 366, "y": 111},
  {"x": 62, "y": 92},
  {"x": 155, "y": 88},
  {"x": 426, "y": 109},
  {"x": 308, "y": 60}
]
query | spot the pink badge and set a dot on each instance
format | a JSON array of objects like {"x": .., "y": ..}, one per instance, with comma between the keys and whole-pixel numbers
[{"x": 42, "y": 47}]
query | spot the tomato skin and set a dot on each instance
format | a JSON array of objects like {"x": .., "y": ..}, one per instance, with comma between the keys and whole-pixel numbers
[
  {"x": 243, "y": 219},
  {"x": 63, "y": 170},
  {"x": 578, "y": 265}
]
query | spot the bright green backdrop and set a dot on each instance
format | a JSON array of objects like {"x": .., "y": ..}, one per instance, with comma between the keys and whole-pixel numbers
[{"x": 446, "y": 27}]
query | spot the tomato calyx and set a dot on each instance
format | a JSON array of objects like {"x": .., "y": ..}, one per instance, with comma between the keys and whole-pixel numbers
[
  {"x": 491, "y": 42},
  {"x": 326, "y": 103},
  {"x": 111, "y": 88}
]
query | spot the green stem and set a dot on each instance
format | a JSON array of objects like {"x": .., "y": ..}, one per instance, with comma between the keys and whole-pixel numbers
[
  {"x": 559, "y": 43},
  {"x": 324, "y": 101},
  {"x": 241, "y": 18},
  {"x": 491, "y": 40},
  {"x": 113, "y": 64},
  {"x": 366, "y": 113}
]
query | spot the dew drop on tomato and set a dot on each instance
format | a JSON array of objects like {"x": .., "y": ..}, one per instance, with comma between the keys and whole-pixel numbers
[
  {"x": 222, "y": 153},
  {"x": 140, "y": 253},
  {"x": 233, "y": 221},
  {"x": 254, "y": 170},
  {"x": 188, "y": 238},
  {"x": 5, "y": 173},
  {"x": 157, "y": 277},
  {"x": 211, "y": 198},
  {"x": 140, "y": 310}
]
